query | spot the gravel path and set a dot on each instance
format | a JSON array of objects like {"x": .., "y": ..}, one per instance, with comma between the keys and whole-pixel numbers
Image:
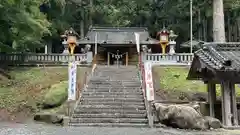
[{"x": 43, "y": 129}]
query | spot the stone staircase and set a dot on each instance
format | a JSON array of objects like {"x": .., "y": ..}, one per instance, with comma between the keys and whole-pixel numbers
[{"x": 113, "y": 98}]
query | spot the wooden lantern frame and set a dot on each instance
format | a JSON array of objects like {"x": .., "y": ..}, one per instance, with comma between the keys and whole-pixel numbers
[
  {"x": 72, "y": 42},
  {"x": 163, "y": 43}
]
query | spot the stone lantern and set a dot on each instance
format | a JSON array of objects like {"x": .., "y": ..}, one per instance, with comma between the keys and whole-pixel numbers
[
  {"x": 70, "y": 41},
  {"x": 144, "y": 48},
  {"x": 163, "y": 36},
  {"x": 172, "y": 42},
  {"x": 86, "y": 48},
  {"x": 65, "y": 45}
]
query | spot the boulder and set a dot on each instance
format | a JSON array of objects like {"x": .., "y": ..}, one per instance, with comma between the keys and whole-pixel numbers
[
  {"x": 213, "y": 122},
  {"x": 48, "y": 118},
  {"x": 55, "y": 96},
  {"x": 180, "y": 116}
]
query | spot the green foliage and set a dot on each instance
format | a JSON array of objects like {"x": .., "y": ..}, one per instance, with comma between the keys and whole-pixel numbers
[
  {"x": 56, "y": 95},
  {"x": 25, "y": 27}
]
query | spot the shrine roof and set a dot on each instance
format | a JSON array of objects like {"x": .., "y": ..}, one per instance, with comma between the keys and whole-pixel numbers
[
  {"x": 117, "y": 35},
  {"x": 196, "y": 44},
  {"x": 216, "y": 61}
]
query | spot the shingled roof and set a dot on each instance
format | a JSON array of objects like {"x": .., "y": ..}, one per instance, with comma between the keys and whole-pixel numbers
[
  {"x": 117, "y": 35},
  {"x": 216, "y": 62}
]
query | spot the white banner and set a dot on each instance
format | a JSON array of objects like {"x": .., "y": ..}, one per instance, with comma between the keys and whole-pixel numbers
[
  {"x": 72, "y": 80},
  {"x": 149, "y": 81},
  {"x": 137, "y": 36}
]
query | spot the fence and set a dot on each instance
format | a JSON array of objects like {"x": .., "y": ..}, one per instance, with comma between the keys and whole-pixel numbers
[
  {"x": 33, "y": 58},
  {"x": 28, "y": 58},
  {"x": 178, "y": 57}
]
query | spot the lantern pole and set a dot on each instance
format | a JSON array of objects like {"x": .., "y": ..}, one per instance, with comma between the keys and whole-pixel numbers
[{"x": 72, "y": 67}]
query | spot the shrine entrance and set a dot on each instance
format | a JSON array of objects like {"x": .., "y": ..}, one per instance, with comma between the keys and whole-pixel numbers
[{"x": 117, "y": 56}]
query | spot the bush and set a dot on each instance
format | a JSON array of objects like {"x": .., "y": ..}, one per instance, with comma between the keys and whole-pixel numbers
[{"x": 56, "y": 95}]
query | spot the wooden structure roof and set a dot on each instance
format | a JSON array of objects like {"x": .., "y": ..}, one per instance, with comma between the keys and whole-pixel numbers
[
  {"x": 195, "y": 43},
  {"x": 117, "y": 36},
  {"x": 216, "y": 62}
]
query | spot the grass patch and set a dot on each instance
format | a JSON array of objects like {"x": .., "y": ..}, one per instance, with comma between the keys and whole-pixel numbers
[
  {"x": 173, "y": 80},
  {"x": 30, "y": 86}
]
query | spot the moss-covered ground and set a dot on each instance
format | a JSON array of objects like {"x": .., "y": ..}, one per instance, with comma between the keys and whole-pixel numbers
[
  {"x": 30, "y": 87},
  {"x": 172, "y": 81}
]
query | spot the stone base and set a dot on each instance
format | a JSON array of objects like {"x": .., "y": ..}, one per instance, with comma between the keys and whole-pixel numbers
[
  {"x": 49, "y": 118},
  {"x": 65, "y": 51},
  {"x": 66, "y": 121}
]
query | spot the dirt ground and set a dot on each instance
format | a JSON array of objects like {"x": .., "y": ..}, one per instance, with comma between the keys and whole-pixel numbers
[{"x": 22, "y": 89}]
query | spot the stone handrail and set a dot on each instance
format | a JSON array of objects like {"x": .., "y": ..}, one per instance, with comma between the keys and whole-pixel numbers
[
  {"x": 87, "y": 76},
  {"x": 38, "y": 58},
  {"x": 147, "y": 103},
  {"x": 178, "y": 57}
]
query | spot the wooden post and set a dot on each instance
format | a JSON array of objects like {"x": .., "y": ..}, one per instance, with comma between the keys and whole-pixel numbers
[
  {"x": 234, "y": 104},
  {"x": 108, "y": 59},
  {"x": 150, "y": 114},
  {"x": 126, "y": 58},
  {"x": 95, "y": 59},
  {"x": 211, "y": 87},
  {"x": 226, "y": 104}
]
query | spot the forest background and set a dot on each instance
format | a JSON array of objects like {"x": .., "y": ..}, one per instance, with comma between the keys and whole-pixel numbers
[{"x": 27, "y": 25}]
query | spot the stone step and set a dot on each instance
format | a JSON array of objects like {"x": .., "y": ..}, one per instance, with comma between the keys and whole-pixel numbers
[
  {"x": 124, "y": 78},
  {"x": 114, "y": 90},
  {"x": 114, "y": 85},
  {"x": 112, "y": 93},
  {"x": 110, "y": 71},
  {"x": 139, "y": 125},
  {"x": 109, "y": 83},
  {"x": 108, "y": 120},
  {"x": 103, "y": 79},
  {"x": 114, "y": 99},
  {"x": 110, "y": 115},
  {"x": 142, "y": 107},
  {"x": 113, "y": 111},
  {"x": 111, "y": 96},
  {"x": 96, "y": 88},
  {"x": 137, "y": 90},
  {"x": 110, "y": 103}
]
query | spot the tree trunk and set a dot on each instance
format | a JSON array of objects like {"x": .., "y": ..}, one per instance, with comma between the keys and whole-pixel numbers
[
  {"x": 229, "y": 28},
  {"x": 90, "y": 13},
  {"x": 82, "y": 22},
  {"x": 218, "y": 21},
  {"x": 205, "y": 29},
  {"x": 199, "y": 25},
  {"x": 82, "y": 27},
  {"x": 238, "y": 25}
]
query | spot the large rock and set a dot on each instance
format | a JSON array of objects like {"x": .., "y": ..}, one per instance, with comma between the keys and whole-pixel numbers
[
  {"x": 185, "y": 116},
  {"x": 48, "y": 118},
  {"x": 213, "y": 122},
  {"x": 180, "y": 116},
  {"x": 55, "y": 96}
]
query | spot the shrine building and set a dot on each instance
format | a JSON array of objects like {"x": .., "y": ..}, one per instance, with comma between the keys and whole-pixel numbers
[{"x": 118, "y": 44}]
